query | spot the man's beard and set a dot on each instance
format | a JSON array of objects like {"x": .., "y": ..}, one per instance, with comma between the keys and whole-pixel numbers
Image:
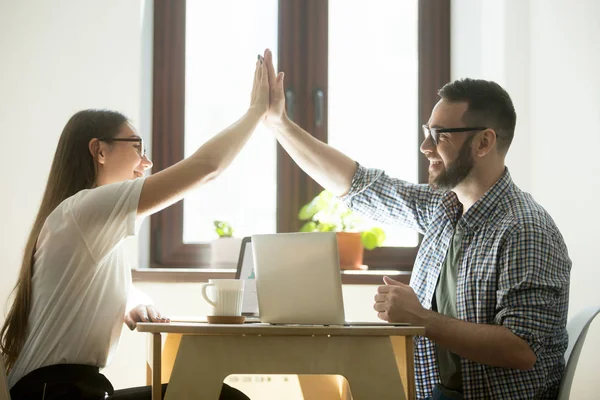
[{"x": 457, "y": 171}]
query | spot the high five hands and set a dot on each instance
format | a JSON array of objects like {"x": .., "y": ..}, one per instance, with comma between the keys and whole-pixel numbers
[{"x": 275, "y": 113}]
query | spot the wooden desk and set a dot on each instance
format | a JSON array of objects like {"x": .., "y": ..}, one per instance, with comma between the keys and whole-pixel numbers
[{"x": 377, "y": 361}]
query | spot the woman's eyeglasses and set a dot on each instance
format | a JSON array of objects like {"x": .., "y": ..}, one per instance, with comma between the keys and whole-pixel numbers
[
  {"x": 435, "y": 132},
  {"x": 141, "y": 149}
]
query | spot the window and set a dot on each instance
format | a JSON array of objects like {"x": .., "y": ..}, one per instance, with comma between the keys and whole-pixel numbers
[
  {"x": 218, "y": 81},
  {"x": 358, "y": 74}
]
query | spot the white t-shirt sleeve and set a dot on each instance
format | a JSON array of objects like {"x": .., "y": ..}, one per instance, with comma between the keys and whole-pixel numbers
[{"x": 107, "y": 214}]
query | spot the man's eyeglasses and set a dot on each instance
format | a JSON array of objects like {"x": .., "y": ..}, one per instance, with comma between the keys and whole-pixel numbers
[
  {"x": 141, "y": 149},
  {"x": 435, "y": 132}
]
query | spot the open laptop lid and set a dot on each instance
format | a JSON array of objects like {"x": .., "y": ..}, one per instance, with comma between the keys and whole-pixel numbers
[
  {"x": 245, "y": 271},
  {"x": 298, "y": 278}
]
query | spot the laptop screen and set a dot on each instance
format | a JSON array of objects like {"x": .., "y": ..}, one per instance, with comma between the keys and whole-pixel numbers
[{"x": 245, "y": 271}]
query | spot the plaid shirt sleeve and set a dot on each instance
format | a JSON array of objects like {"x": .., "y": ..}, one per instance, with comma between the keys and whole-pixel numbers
[
  {"x": 533, "y": 285},
  {"x": 391, "y": 201}
]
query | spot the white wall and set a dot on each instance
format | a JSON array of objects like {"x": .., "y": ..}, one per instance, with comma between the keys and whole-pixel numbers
[
  {"x": 546, "y": 55},
  {"x": 58, "y": 57},
  {"x": 565, "y": 132},
  {"x": 62, "y": 56},
  {"x": 486, "y": 40}
]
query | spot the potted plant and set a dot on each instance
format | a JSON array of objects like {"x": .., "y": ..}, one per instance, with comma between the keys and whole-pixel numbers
[
  {"x": 225, "y": 250},
  {"x": 326, "y": 213}
]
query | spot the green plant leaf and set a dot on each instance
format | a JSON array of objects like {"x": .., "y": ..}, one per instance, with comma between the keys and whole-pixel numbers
[
  {"x": 369, "y": 240},
  {"x": 326, "y": 227},
  {"x": 327, "y": 213},
  {"x": 223, "y": 229},
  {"x": 380, "y": 236},
  {"x": 308, "y": 211},
  {"x": 309, "y": 227}
]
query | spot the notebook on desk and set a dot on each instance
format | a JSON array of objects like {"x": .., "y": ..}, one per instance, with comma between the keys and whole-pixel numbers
[{"x": 298, "y": 280}]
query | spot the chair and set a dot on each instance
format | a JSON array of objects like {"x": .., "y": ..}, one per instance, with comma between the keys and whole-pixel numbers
[
  {"x": 577, "y": 328},
  {"x": 4, "y": 394}
]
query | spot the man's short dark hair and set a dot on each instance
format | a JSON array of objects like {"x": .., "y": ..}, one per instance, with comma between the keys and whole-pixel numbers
[{"x": 488, "y": 105}]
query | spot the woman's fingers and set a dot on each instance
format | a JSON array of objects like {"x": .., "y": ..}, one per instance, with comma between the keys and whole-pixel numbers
[
  {"x": 264, "y": 77},
  {"x": 152, "y": 313},
  {"x": 142, "y": 314},
  {"x": 257, "y": 71},
  {"x": 156, "y": 316},
  {"x": 129, "y": 322}
]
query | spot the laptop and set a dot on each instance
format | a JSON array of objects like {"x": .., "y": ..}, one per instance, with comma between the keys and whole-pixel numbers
[
  {"x": 245, "y": 271},
  {"x": 298, "y": 279}
]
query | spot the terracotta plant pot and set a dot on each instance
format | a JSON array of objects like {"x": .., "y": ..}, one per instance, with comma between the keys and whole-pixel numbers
[{"x": 350, "y": 250}]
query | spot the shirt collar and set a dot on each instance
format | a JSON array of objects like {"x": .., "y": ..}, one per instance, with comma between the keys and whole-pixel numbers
[{"x": 482, "y": 209}]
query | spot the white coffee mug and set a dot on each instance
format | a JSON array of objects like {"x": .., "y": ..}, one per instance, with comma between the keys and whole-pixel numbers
[{"x": 228, "y": 295}]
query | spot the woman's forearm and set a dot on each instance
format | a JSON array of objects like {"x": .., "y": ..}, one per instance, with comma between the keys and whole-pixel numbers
[
  {"x": 216, "y": 154},
  {"x": 209, "y": 161}
]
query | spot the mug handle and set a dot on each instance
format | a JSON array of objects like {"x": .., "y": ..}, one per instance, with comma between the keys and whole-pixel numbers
[{"x": 209, "y": 301}]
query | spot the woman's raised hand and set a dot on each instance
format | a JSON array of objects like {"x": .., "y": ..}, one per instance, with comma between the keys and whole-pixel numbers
[{"x": 259, "y": 99}]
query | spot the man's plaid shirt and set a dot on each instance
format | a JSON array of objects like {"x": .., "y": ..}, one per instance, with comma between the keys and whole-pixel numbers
[{"x": 513, "y": 271}]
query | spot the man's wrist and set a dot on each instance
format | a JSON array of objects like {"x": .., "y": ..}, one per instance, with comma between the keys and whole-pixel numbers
[
  {"x": 428, "y": 319},
  {"x": 282, "y": 124}
]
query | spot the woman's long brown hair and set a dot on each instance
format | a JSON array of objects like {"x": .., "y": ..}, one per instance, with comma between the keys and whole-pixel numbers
[{"x": 73, "y": 169}]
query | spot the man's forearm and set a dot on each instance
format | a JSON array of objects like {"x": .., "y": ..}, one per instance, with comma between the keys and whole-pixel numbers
[
  {"x": 329, "y": 167},
  {"x": 486, "y": 344}
]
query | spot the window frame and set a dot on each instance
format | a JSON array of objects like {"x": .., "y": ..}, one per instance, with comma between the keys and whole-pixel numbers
[{"x": 297, "y": 45}]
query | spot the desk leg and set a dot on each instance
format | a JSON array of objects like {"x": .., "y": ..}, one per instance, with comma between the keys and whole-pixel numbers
[
  {"x": 156, "y": 354},
  {"x": 324, "y": 387},
  {"x": 403, "y": 351}
]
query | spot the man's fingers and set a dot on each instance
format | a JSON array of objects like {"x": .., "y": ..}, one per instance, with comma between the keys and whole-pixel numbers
[
  {"x": 270, "y": 68},
  {"x": 379, "y": 307},
  {"x": 383, "y": 289},
  {"x": 380, "y": 298},
  {"x": 277, "y": 88},
  {"x": 383, "y": 316},
  {"x": 390, "y": 281}
]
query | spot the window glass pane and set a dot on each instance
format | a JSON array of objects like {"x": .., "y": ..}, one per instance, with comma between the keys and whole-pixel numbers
[
  {"x": 373, "y": 89},
  {"x": 223, "y": 39}
]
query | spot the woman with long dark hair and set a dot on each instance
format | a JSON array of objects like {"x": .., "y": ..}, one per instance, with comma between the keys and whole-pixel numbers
[{"x": 70, "y": 300}]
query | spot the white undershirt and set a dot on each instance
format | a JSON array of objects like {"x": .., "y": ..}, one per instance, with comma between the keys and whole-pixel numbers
[{"x": 81, "y": 280}]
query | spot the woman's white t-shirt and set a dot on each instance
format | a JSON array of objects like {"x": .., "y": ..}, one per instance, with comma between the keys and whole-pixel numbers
[{"x": 81, "y": 279}]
